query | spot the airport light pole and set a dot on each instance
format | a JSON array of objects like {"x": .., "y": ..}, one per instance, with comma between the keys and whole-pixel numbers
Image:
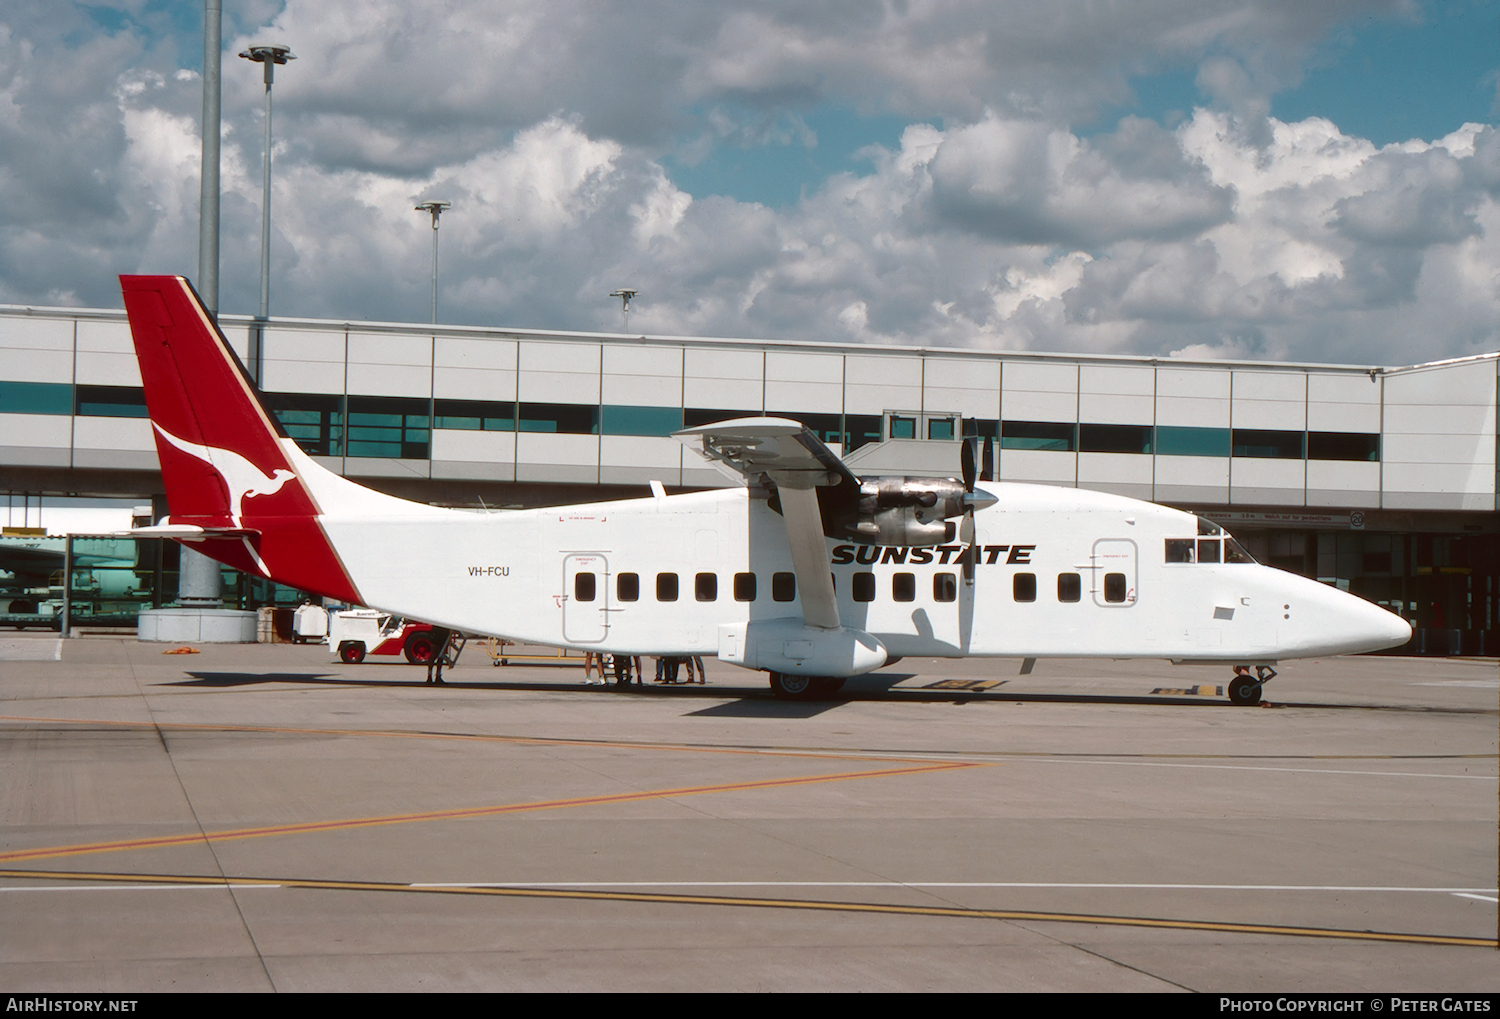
[
  {"x": 268, "y": 55},
  {"x": 436, "y": 208},
  {"x": 208, "y": 179},
  {"x": 624, "y": 294}
]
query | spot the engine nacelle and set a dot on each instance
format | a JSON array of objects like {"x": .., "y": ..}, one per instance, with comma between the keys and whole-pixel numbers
[{"x": 915, "y": 512}]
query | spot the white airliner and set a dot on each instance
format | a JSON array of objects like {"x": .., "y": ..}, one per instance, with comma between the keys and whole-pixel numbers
[{"x": 805, "y": 572}]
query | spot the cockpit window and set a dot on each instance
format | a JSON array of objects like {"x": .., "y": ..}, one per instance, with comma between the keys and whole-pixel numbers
[
  {"x": 1206, "y": 550},
  {"x": 1233, "y": 553},
  {"x": 1209, "y": 529}
]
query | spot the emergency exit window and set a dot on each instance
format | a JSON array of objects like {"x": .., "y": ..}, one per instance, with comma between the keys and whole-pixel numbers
[
  {"x": 583, "y": 586},
  {"x": 1114, "y": 587}
]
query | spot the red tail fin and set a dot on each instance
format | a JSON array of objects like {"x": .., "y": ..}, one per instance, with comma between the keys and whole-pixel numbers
[{"x": 222, "y": 461}]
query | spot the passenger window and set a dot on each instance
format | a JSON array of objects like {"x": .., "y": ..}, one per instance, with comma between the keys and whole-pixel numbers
[
  {"x": 666, "y": 587},
  {"x": 1023, "y": 587},
  {"x": 783, "y": 587},
  {"x": 864, "y": 587},
  {"x": 1114, "y": 587},
  {"x": 628, "y": 587},
  {"x": 744, "y": 587},
  {"x": 1208, "y": 550},
  {"x": 1179, "y": 550},
  {"x": 944, "y": 587},
  {"x": 583, "y": 587},
  {"x": 904, "y": 586},
  {"x": 1069, "y": 587},
  {"x": 706, "y": 587}
]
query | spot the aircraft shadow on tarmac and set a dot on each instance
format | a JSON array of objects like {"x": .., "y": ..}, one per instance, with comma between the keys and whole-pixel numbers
[
  {"x": 749, "y": 702},
  {"x": 755, "y": 701}
]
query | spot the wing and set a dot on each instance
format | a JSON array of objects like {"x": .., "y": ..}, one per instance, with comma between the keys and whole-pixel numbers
[{"x": 786, "y": 455}]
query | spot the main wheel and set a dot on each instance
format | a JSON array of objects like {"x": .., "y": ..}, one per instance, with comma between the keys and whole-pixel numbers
[
  {"x": 352, "y": 652},
  {"x": 1244, "y": 690},
  {"x": 421, "y": 648},
  {"x": 791, "y": 687}
]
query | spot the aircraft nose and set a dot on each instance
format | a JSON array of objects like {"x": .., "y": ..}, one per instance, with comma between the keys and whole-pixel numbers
[
  {"x": 1389, "y": 629},
  {"x": 1398, "y": 630}
]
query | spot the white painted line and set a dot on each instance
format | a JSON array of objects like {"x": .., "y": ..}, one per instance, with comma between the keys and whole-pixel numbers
[
  {"x": 1481, "y": 898},
  {"x": 942, "y": 884},
  {"x": 31, "y": 649},
  {"x": 1311, "y": 769}
]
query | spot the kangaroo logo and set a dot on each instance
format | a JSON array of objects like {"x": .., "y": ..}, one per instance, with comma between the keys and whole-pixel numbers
[{"x": 241, "y": 477}]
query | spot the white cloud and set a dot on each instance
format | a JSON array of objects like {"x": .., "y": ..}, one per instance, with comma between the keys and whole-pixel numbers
[{"x": 992, "y": 223}]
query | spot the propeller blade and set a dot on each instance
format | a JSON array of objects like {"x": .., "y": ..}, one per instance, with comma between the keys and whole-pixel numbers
[
  {"x": 969, "y": 465},
  {"x": 987, "y": 460},
  {"x": 970, "y": 553}
]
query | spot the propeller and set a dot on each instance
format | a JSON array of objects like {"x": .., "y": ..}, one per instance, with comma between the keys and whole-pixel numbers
[{"x": 966, "y": 528}]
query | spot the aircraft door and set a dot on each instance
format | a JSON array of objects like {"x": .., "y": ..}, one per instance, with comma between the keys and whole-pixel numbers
[
  {"x": 585, "y": 598},
  {"x": 1115, "y": 574}
]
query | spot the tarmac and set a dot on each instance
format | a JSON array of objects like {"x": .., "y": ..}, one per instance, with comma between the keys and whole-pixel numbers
[{"x": 264, "y": 818}]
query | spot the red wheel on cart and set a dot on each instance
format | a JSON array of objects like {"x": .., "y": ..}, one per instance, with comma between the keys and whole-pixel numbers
[
  {"x": 352, "y": 652},
  {"x": 421, "y": 648}
]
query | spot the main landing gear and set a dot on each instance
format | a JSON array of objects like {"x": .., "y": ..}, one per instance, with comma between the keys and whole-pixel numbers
[
  {"x": 805, "y": 688},
  {"x": 452, "y": 646},
  {"x": 1245, "y": 688}
]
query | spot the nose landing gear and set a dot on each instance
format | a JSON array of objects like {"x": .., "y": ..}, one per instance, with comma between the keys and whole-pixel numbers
[{"x": 1245, "y": 688}]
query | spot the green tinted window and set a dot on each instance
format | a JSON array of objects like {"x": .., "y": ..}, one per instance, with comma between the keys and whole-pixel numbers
[
  {"x": 110, "y": 401},
  {"x": 641, "y": 420},
  {"x": 36, "y": 398},
  {"x": 1174, "y": 440},
  {"x": 1046, "y": 435}
]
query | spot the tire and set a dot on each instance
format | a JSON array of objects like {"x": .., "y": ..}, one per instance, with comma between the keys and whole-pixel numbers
[
  {"x": 793, "y": 688},
  {"x": 1244, "y": 690},
  {"x": 352, "y": 652},
  {"x": 421, "y": 648}
]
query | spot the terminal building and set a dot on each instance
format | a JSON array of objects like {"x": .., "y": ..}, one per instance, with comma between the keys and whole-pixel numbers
[{"x": 1382, "y": 481}]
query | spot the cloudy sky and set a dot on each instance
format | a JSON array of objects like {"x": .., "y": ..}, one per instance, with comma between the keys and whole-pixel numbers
[{"x": 1268, "y": 179}]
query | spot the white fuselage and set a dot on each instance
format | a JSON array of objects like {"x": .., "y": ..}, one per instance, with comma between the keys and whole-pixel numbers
[{"x": 601, "y": 577}]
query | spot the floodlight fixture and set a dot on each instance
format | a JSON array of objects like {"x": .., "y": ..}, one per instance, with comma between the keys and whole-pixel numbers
[
  {"x": 268, "y": 55},
  {"x": 624, "y": 294}
]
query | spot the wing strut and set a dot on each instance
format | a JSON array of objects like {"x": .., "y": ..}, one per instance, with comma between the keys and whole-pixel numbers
[
  {"x": 788, "y": 455},
  {"x": 804, "y": 535}
]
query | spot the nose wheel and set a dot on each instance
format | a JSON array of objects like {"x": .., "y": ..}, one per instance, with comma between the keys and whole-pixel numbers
[{"x": 1245, "y": 688}]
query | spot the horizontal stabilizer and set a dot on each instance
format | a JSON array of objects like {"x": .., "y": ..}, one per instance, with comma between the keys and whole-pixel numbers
[{"x": 188, "y": 532}]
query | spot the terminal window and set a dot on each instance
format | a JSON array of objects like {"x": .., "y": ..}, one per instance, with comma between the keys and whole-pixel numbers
[
  {"x": 388, "y": 426},
  {"x": 1043, "y": 435}
]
